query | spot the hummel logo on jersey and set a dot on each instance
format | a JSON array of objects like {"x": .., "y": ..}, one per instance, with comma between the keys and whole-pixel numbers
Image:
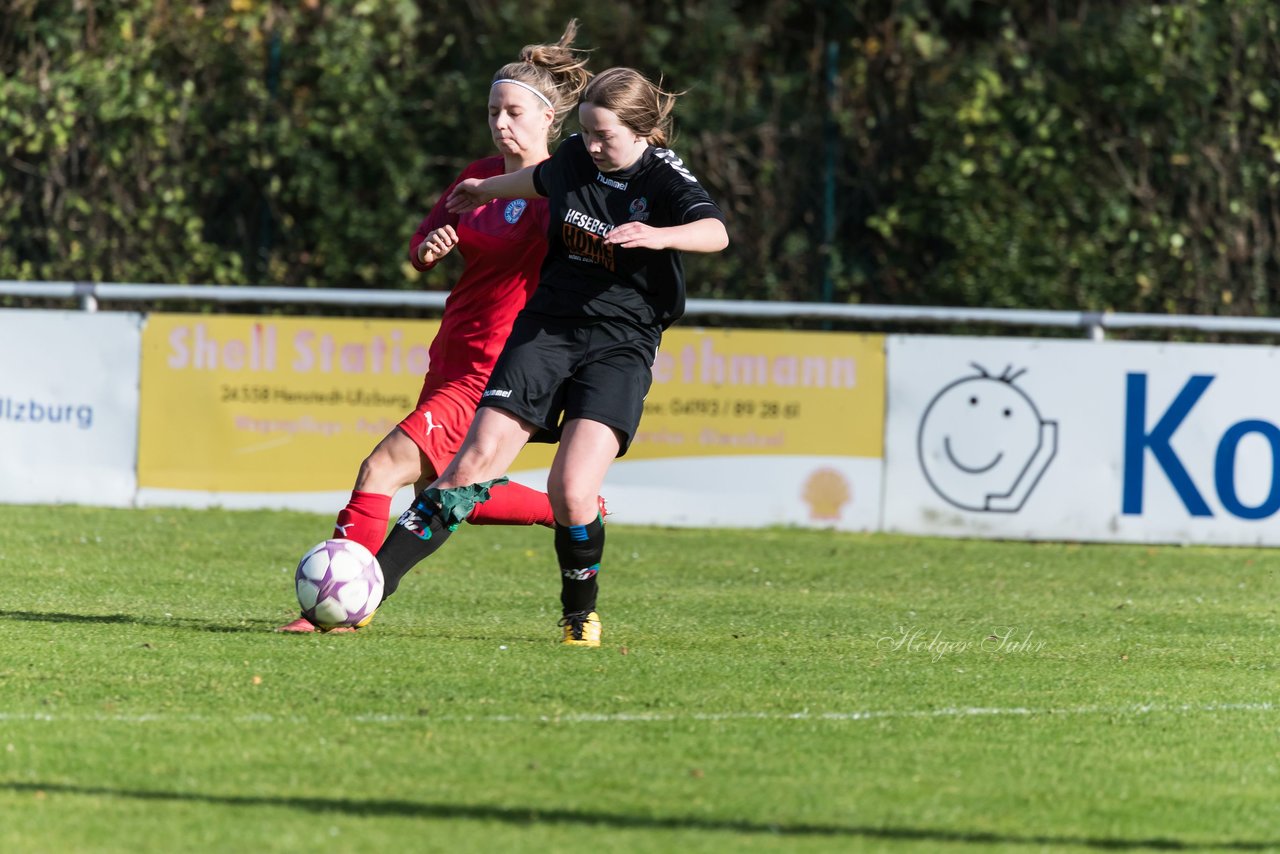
[
  {"x": 669, "y": 157},
  {"x": 497, "y": 392},
  {"x": 610, "y": 182}
]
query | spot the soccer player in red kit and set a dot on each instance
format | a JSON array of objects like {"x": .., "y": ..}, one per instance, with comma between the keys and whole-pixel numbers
[{"x": 503, "y": 244}]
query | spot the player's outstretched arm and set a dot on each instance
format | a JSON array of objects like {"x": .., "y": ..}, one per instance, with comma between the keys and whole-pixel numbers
[
  {"x": 474, "y": 192},
  {"x": 703, "y": 235}
]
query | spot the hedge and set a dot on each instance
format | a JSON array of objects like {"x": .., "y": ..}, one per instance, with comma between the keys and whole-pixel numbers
[{"x": 1044, "y": 154}]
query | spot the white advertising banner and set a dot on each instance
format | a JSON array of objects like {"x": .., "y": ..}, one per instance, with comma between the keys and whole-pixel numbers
[
  {"x": 1083, "y": 440},
  {"x": 68, "y": 406}
]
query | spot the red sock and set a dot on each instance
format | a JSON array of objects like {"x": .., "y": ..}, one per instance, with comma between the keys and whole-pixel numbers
[
  {"x": 364, "y": 519},
  {"x": 513, "y": 504}
]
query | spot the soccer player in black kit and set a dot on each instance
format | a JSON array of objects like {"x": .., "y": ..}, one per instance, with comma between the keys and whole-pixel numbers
[{"x": 578, "y": 362}]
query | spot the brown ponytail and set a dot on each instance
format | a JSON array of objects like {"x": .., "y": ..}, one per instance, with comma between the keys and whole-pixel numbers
[{"x": 641, "y": 105}]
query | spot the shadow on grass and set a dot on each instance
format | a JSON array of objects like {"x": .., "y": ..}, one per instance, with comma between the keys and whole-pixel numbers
[
  {"x": 531, "y": 815},
  {"x": 130, "y": 619}
]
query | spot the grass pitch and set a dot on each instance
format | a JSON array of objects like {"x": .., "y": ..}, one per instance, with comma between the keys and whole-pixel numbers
[{"x": 773, "y": 690}]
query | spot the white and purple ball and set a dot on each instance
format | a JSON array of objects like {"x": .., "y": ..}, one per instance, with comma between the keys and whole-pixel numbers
[{"x": 339, "y": 584}]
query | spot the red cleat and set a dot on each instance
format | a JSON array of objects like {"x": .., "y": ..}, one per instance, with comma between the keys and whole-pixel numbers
[
  {"x": 604, "y": 510},
  {"x": 298, "y": 626},
  {"x": 303, "y": 626}
]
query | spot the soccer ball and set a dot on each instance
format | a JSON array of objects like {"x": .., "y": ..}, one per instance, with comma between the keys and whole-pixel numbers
[{"x": 339, "y": 584}]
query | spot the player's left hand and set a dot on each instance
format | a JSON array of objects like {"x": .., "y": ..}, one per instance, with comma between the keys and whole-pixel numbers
[
  {"x": 637, "y": 235},
  {"x": 467, "y": 195}
]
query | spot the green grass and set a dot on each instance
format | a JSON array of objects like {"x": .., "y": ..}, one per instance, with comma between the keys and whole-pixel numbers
[{"x": 751, "y": 694}]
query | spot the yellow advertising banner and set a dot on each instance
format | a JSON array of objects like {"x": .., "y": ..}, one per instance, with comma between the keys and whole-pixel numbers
[
  {"x": 293, "y": 404},
  {"x": 739, "y": 392},
  {"x": 280, "y": 404}
]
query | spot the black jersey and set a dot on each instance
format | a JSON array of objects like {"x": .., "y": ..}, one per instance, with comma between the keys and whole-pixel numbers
[{"x": 582, "y": 275}]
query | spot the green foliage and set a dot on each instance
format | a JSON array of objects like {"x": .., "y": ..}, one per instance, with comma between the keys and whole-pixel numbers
[
  {"x": 1059, "y": 155},
  {"x": 1103, "y": 157}
]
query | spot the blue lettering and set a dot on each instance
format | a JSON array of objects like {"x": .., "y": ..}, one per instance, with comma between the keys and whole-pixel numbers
[
  {"x": 1137, "y": 441},
  {"x": 1224, "y": 469}
]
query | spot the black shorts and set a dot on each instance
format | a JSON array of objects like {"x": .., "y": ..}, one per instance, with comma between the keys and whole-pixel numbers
[{"x": 552, "y": 370}]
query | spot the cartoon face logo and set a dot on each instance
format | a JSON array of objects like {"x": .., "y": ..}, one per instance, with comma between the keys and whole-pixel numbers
[
  {"x": 983, "y": 445},
  {"x": 513, "y": 210}
]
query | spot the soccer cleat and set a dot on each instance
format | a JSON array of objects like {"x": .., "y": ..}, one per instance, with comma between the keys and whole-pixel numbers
[
  {"x": 604, "y": 510},
  {"x": 581, "y": 629},
  {"x": 303, "y": 625},
  {"x": 298, "y": 626}
]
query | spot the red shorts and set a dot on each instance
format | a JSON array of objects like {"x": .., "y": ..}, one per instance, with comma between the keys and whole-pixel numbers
[{"x": 440, "y": 422}]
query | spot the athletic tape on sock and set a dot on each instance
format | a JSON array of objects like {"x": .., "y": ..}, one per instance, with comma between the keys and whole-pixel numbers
[{"x": 457, "y": 502}]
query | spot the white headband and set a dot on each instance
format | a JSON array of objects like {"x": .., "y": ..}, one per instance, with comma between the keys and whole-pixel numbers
[{"x": 543, "y": 97}]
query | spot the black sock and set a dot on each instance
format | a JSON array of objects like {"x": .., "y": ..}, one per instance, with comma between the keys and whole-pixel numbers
[
  {"x": 418, "y": 532},
  {"x": 579, "y": 549},
  {"x": 423, "y": 528}
]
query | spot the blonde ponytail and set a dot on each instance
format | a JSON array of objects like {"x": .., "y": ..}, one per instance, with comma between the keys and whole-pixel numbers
[{"x": 557, "y": 71}]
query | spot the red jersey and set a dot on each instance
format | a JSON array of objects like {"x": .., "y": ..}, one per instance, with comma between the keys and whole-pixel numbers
[{"x": 502, "y": 243}]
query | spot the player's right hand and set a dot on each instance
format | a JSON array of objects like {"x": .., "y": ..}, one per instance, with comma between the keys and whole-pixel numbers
[
  {"x": 466, "y": 196},
  {"x": 438, "y": 243}
]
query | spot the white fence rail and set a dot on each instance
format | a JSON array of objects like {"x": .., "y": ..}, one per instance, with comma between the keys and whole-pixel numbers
[{"x": 1093, "y": 324}]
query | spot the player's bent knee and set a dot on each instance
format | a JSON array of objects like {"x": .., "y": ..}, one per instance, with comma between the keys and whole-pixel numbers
[
  {"x": 577, "y": 509},
  {"x": 381, "y": 472}
]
